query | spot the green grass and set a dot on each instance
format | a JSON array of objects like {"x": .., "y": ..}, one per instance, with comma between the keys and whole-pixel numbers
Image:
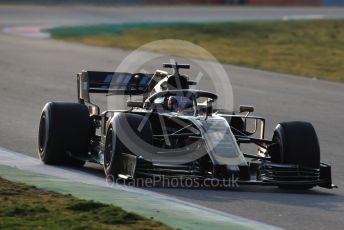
[
  {"x": 108, "y": 29},
  {"x": 26, "y": 207},
  {"x": 313, "y": 48}
]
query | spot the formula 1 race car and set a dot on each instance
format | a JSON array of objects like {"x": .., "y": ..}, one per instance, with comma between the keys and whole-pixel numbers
[{"x": 175, "y": 131}]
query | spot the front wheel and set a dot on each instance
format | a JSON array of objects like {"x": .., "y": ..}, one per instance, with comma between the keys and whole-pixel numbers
[
  {"x": 297, "y": 144},
  {"x": 116, "y": 144}
]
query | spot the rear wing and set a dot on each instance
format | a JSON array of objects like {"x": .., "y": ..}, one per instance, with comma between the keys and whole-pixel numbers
[
  {"x": 114, "y": 82},
  {"x": 111, "y": 83}
]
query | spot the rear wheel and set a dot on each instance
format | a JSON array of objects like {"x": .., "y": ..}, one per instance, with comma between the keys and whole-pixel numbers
[
  {"x": 64, "y": 132},
  {"x": 297, "y": 144}
]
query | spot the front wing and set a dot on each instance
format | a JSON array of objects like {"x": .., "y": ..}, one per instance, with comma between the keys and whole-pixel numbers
[{"x": 263, "y": 173}]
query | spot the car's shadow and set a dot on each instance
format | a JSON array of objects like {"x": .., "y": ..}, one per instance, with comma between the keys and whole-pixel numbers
[{"x": 331, "y": 200}]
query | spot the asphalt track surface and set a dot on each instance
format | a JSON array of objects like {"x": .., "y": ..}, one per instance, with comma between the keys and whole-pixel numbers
[{"x": 34, "y": 71}]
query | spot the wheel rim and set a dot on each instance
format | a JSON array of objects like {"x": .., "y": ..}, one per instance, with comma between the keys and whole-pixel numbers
[
  {"x": 279, "y": 142},
  {"x": 108, "y": 153},
  {"x": 42, "y": 133}
]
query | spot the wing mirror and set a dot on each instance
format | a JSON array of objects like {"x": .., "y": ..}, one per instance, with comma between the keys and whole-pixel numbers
[
  {"x": 209, "y": 108},
  {"x": 246, "y": 108},
  {"x": 137, "y": 104}
]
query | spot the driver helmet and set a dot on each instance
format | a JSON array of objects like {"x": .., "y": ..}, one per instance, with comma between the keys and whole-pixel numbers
[
  {"x": 172, "y": 103},
  {"x": 177, "y": 103}
]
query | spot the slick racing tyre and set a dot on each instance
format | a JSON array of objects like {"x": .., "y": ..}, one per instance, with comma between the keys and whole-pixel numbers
[
  {"x": 64, "y": 132},
  {"x": 114, "y": 147},
  {"x": 298, "y": 144}
]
